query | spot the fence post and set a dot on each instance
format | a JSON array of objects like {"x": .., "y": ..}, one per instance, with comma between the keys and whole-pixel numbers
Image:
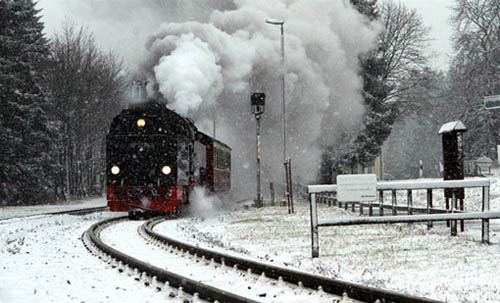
[
  {"x": 370, "y": 209},
  {"x": 290, "y": 195},
  {"x": 447, "y": 211},
  {"x": 410, "y": 202},
  {"x": 353, "y": 206},
  {"x": 394, "y": 203},
  {"x": 314, "y": 226},
  {"x": 381, "y": 202},
  {"x": 453, "y": 222},
  {"x": 462, "y": 222},
  {"x": 485, "y": 228},
  {"x": 271, "y": 189},
  {"x": 429, "y": 206}
]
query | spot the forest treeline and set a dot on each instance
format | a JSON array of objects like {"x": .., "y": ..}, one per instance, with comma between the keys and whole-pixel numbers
[
  {"x": 59, "y": 95},
  {"x": 57, "y": 98},
  {"x": 408, "y": 99},
  {"x": 454, "y": 94}
]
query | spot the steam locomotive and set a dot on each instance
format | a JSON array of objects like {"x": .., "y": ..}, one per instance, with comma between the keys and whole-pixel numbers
[{"x": 154, "y": 157}]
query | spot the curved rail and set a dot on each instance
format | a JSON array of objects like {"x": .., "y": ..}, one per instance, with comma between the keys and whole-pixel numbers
[
  {"x": 333, "y": 286},
  {"x": 76, "y": 212},
  {"x": 83, "y": 211},
  {"x": 188, "y": 285}
]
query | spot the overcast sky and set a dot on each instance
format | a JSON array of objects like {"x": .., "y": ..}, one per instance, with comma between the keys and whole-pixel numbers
[{"x": 435, "y": 14}]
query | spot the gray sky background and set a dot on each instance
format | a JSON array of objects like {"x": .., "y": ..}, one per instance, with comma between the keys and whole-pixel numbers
[{"x": 435, "y": 14}]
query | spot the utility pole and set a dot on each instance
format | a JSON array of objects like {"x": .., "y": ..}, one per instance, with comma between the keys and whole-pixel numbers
[{"x": 283, "y": 122}]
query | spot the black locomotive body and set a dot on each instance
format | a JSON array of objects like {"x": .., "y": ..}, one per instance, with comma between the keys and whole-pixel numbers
[{"x": 154, "y": 157}]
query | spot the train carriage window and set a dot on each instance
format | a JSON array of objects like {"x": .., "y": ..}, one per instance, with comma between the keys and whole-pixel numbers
[
  {"x": 227, "y": 160},
  {"x": 222, "y": 157},
  {"x": 217, "y": 154},
  {"x": 215, "y": 157}
]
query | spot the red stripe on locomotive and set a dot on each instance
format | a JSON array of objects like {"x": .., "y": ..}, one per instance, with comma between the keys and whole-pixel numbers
[{"x": 163, "y": 199}]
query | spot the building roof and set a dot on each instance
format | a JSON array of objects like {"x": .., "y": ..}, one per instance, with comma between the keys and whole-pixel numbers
[{"x": 452, "y": 126}]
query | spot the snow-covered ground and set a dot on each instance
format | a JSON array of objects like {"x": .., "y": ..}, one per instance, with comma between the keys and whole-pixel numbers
[
  {"x": 256, "y": 287},
  {"x": 7, "y": 212},
  {"x": 405, "y": 258},
  {"x": 42, "y": 258}
]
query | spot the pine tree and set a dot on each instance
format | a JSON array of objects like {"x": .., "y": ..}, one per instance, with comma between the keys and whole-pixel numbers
[
  {"x": 379, "y": 116},
  {"x": 26, "y": 135},
  {"x": 363, "y": 148}
]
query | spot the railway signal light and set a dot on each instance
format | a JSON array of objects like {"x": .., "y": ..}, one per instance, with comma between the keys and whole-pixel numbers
[{"x": 258, "y": 101}]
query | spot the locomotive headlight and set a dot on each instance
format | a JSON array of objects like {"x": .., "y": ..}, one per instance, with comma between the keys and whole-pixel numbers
[
  {"x": 115, "y": 170},
  {"x": 166, "y": 170},
  {"x": 141, "y": 123}
]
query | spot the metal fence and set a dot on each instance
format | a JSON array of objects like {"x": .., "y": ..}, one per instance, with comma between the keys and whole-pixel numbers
[{"x": 326, "y": 194}]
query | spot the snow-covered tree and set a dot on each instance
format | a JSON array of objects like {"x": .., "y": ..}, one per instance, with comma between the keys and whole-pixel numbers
[
  {"x": 27, "y": 136},
  {"x": 402, "y": 48},
  {"x": 414, "y": 136},
  {"x": 86, "y": 86},
  {"x": 475, "y": 72},
  {"x": 362, "y": 147}
]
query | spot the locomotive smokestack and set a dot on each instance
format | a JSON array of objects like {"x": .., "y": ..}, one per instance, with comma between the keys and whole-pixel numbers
[
  {"x": 138, "y": 90},
  {"x": 143, "y": 90}
]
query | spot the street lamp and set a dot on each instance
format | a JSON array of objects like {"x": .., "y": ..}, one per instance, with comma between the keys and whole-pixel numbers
[
  {"x": 281, "y": 23},
  {"x": 492, "y": 101},
  {"x": 258, "y": 101}
]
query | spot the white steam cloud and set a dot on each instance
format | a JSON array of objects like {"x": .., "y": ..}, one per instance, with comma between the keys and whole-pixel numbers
[
  {"x": 189, "y": 75},
  {"x": 207, "y": 57},
  {"x": 202, "y": 204}
]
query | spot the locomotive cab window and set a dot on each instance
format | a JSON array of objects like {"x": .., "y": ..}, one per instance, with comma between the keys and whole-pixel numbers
[{"x": 183, "y": 160}]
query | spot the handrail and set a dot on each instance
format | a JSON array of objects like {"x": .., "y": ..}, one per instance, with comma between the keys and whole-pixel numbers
[
  {"x": 413, "y": 184},
  {"x": 409, "y": 185}
]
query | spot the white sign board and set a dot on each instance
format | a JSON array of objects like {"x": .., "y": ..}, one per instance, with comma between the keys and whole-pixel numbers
[
  {"x": 492, "y": 102},
  {"x": 357, "y": 188},
  {"x": 498, "y": 154}
]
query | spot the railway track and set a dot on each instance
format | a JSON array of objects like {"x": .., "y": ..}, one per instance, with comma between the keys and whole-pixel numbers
[
  {"x": 333, "y": 286},
  {"x": 317, "y": 287},
  {"x": 170, "y": 279},
  {"x": 76, "y": 212},
  {"x": 79, "y": 212}
]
